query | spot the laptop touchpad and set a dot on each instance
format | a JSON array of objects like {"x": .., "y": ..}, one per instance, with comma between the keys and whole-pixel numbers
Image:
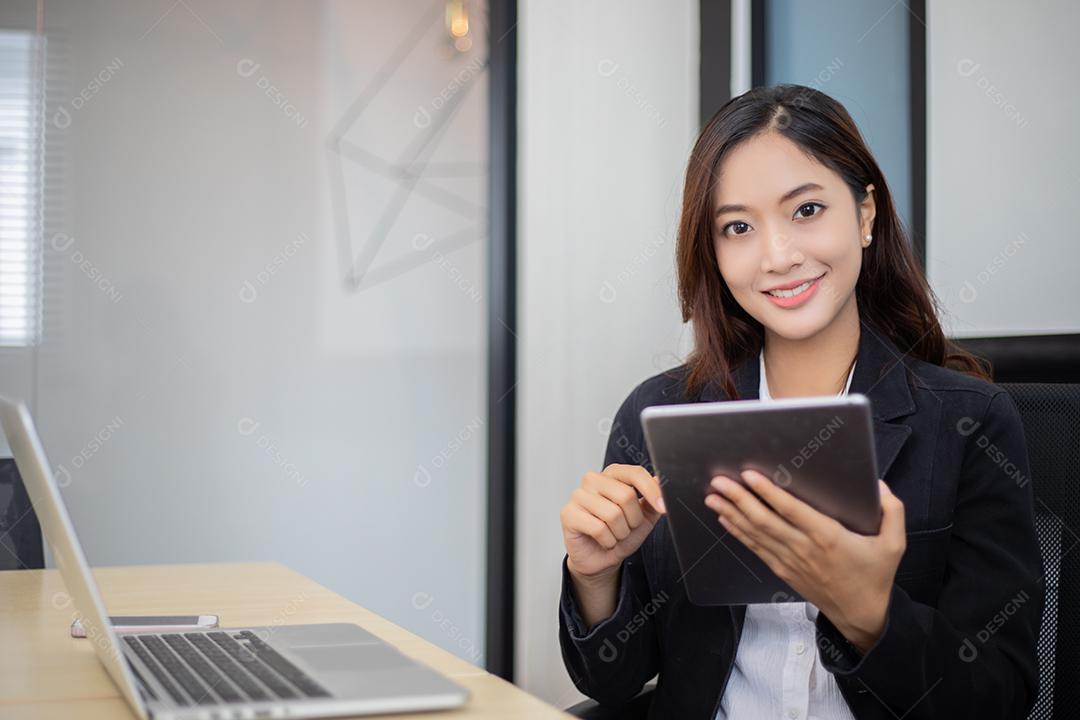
[{"x": 350, "y": 657}]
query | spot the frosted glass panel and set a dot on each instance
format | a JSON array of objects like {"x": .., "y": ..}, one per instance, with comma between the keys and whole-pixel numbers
[{"x": 264, "y": 297}]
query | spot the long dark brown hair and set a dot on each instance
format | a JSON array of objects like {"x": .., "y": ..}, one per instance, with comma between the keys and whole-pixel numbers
[{"x": 892, "y": 292}]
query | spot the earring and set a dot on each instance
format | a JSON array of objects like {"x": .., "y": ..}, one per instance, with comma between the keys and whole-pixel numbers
[{"x": 866, "y": 241}]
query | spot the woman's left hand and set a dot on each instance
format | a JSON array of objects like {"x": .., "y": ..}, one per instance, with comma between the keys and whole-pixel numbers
[{"x": 848, "y": 576}]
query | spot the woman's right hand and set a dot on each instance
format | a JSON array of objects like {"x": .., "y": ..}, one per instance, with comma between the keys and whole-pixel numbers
[{"x": 605, "y": 520}]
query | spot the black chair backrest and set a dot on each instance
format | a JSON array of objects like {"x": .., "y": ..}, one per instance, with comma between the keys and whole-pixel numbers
[
  {"x": 20, "y": 533},
  {"x": 1051, "y": 416}
]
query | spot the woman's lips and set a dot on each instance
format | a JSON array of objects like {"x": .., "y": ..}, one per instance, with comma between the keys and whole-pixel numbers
[{"x": 797, "y": 300}]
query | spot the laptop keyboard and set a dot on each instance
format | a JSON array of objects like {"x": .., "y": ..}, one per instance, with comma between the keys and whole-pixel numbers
[{"x": 215, "y": 667}]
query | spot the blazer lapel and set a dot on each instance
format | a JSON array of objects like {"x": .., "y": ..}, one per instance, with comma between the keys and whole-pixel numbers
[{"x": 881, "y": 375}]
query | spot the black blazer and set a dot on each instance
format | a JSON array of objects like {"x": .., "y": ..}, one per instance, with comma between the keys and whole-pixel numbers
[{"x": 964, "y": 614}]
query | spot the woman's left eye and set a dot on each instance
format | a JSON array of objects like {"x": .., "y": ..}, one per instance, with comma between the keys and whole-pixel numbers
[{"x": 806, "y": 210}]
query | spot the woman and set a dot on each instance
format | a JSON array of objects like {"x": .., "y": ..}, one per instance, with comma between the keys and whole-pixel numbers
[{"x": 799, "y": 280}]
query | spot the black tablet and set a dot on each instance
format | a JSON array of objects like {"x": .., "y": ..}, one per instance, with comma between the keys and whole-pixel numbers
[{"x": 820, "y": 449}]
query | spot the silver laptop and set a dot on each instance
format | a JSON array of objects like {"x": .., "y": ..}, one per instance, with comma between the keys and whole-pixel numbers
[{"x": 295, "y": 671}]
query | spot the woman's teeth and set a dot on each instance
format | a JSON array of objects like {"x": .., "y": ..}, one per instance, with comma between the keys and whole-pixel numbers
[{"x": 793, "y": 291}]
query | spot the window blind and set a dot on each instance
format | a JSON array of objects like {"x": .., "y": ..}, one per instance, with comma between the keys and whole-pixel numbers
[{"x": 21, "y": 135}]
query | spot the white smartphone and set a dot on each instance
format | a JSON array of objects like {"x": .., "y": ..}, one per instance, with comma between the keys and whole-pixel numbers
[{"x": 152, "y": 623}]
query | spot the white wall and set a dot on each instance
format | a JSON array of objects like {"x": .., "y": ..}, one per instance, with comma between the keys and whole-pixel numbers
[
  {"x": 608, "y": 115},
  {"x": 233, "y": 399},
  {"x": 1002, "y": 160}
]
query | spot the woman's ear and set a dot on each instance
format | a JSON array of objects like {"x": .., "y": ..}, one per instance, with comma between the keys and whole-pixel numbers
[{"x": 867, "y": 212}]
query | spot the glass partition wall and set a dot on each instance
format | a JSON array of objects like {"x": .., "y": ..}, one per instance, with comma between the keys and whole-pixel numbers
[{"x": 242, "y": 272}]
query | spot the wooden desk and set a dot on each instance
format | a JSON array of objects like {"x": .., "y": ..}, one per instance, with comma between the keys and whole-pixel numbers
[{"x": 44, "y": 673}]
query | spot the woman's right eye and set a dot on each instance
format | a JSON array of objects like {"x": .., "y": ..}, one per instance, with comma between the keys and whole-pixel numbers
[{"x": 736, "y": 228}]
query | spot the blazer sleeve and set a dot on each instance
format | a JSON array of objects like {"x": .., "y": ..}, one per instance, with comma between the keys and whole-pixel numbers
[
  {"x": 611, "y": 661},
  {"x": 974, "y": 655}
]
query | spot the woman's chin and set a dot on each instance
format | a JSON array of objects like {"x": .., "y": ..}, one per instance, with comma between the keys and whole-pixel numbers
[{"x": 794, "y": 326}]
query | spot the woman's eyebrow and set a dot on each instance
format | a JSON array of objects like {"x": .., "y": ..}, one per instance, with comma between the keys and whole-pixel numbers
[{"x": 805, "y": 187}]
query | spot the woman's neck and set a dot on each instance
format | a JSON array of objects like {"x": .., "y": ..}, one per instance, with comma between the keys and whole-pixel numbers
[{"x": 817, "y": 365}]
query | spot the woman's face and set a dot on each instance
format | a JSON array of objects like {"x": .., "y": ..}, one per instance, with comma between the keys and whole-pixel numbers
[{"x": 783, "y": 218}]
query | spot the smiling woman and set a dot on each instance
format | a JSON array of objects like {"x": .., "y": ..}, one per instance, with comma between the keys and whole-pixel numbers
[{"x": 799, "y": 281}]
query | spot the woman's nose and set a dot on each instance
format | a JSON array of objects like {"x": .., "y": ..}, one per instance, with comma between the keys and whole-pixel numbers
[{"x": 780, "y": 253}]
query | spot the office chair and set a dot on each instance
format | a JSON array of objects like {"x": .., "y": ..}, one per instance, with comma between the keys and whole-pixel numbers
[
  {"x": 1051, "y": 416},
  {"x": 20, "y": 534}
]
